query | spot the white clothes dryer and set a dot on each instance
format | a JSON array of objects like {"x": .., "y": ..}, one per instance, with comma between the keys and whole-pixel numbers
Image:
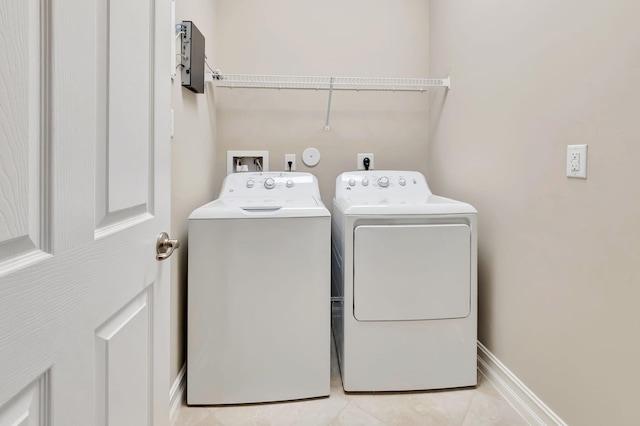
[
  {"x": 404, "y": 278},
  {"x": 259, "y": 292}
]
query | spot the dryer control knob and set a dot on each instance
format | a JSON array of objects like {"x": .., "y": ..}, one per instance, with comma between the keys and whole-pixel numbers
[
  {"x": 352, "y": 182},
  {"x": 250, "y": 184},
  {"x": 365, "y": 182},
  {"x": 289, "y": 183},
  {"x": 402, "y": 182},
  {"x": 383, "y": 181},
  {"x": 269, "y": 183}
]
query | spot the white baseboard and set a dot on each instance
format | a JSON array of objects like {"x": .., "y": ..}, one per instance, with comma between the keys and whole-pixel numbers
[
  {"x": 526, "y": 403},
  {"x": 176, "y": 394}
]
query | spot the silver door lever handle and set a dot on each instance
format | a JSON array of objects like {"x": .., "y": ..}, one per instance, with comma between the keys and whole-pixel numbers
[{"x": 165, "y": 246}]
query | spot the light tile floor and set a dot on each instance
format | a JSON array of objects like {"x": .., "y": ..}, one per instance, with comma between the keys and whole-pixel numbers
[{"x": 481, "y": 405}]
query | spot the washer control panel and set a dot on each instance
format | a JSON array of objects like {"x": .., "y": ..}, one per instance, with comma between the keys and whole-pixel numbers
[
  {"x": 270, "y": 184},
  {"x": 382, "y": 184}
]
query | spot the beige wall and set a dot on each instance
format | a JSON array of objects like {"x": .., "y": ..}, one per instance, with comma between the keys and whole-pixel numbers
[
  {"x": 193, "y": 156},
  {"x": 377, "y": 38},
  {"x": 559, "y": 258}
]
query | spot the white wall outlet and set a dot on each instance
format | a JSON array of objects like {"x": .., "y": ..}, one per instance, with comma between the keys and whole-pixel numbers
[
  {"x": 577, "y": 161},
  {"x": 247, "y": 161},
  {"x": 361, "y": 158},
  {"x": 289, "y": 158}
]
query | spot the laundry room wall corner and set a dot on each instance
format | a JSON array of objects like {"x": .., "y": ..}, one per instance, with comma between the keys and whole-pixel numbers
[
  {"x": 558, "y": 275},
  {"x": 193, "y": 159}
]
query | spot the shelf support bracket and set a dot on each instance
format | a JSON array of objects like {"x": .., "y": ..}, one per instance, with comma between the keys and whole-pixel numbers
[{"x": 326, "y": 124}]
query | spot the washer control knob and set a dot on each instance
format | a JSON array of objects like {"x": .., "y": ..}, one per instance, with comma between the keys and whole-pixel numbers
[
  {"x": 383, "y": 182},
  {"x": 402, "y": 182},
  {"x": 352, "y": 182},
  {"x": 269, "y": 183},
  {"x": 250, "y": 183},
  {"x": 289, "y": 183},
  {"x": 365, "y": 182}
]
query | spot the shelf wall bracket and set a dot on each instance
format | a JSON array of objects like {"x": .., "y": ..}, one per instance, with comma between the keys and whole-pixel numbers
[{"x": 326, "y": 123}]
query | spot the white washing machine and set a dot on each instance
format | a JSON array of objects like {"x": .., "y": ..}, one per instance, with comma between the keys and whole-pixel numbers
[
  {"x": 404, "y": 280},
  {"x": 259, "y": 292}
]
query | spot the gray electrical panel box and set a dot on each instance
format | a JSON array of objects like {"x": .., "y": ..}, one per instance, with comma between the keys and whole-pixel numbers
[{"x": 192, "y": 58}]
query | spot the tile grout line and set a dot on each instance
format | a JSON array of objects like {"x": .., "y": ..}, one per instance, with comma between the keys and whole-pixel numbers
[
  {"x": 369, "y": 413},
  {"x": 466, "y": 414}
]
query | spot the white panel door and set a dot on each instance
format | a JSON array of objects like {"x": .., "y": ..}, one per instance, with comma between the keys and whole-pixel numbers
[{"x": 84, "y": 193}]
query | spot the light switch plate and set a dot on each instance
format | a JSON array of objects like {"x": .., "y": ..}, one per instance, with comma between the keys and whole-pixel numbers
[{"x": 577, "y": 161}]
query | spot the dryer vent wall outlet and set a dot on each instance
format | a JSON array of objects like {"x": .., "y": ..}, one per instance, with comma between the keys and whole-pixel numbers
[
  {"x": 361, "y": 157},
  {"x": 247, "y": 161}
]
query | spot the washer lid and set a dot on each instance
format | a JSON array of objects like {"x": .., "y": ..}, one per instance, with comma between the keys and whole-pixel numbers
[{"x": 249, "y": 207}]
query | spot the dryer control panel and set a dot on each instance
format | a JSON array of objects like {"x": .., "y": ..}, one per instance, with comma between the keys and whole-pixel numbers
[
  {"x": 271, "y": 184},
  {"x": 374, "y": 185}
]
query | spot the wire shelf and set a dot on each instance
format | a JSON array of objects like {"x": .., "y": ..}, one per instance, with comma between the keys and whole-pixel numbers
[
  {"x": 254, "y": 81},
  {"x": 325, "y": 83}
]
